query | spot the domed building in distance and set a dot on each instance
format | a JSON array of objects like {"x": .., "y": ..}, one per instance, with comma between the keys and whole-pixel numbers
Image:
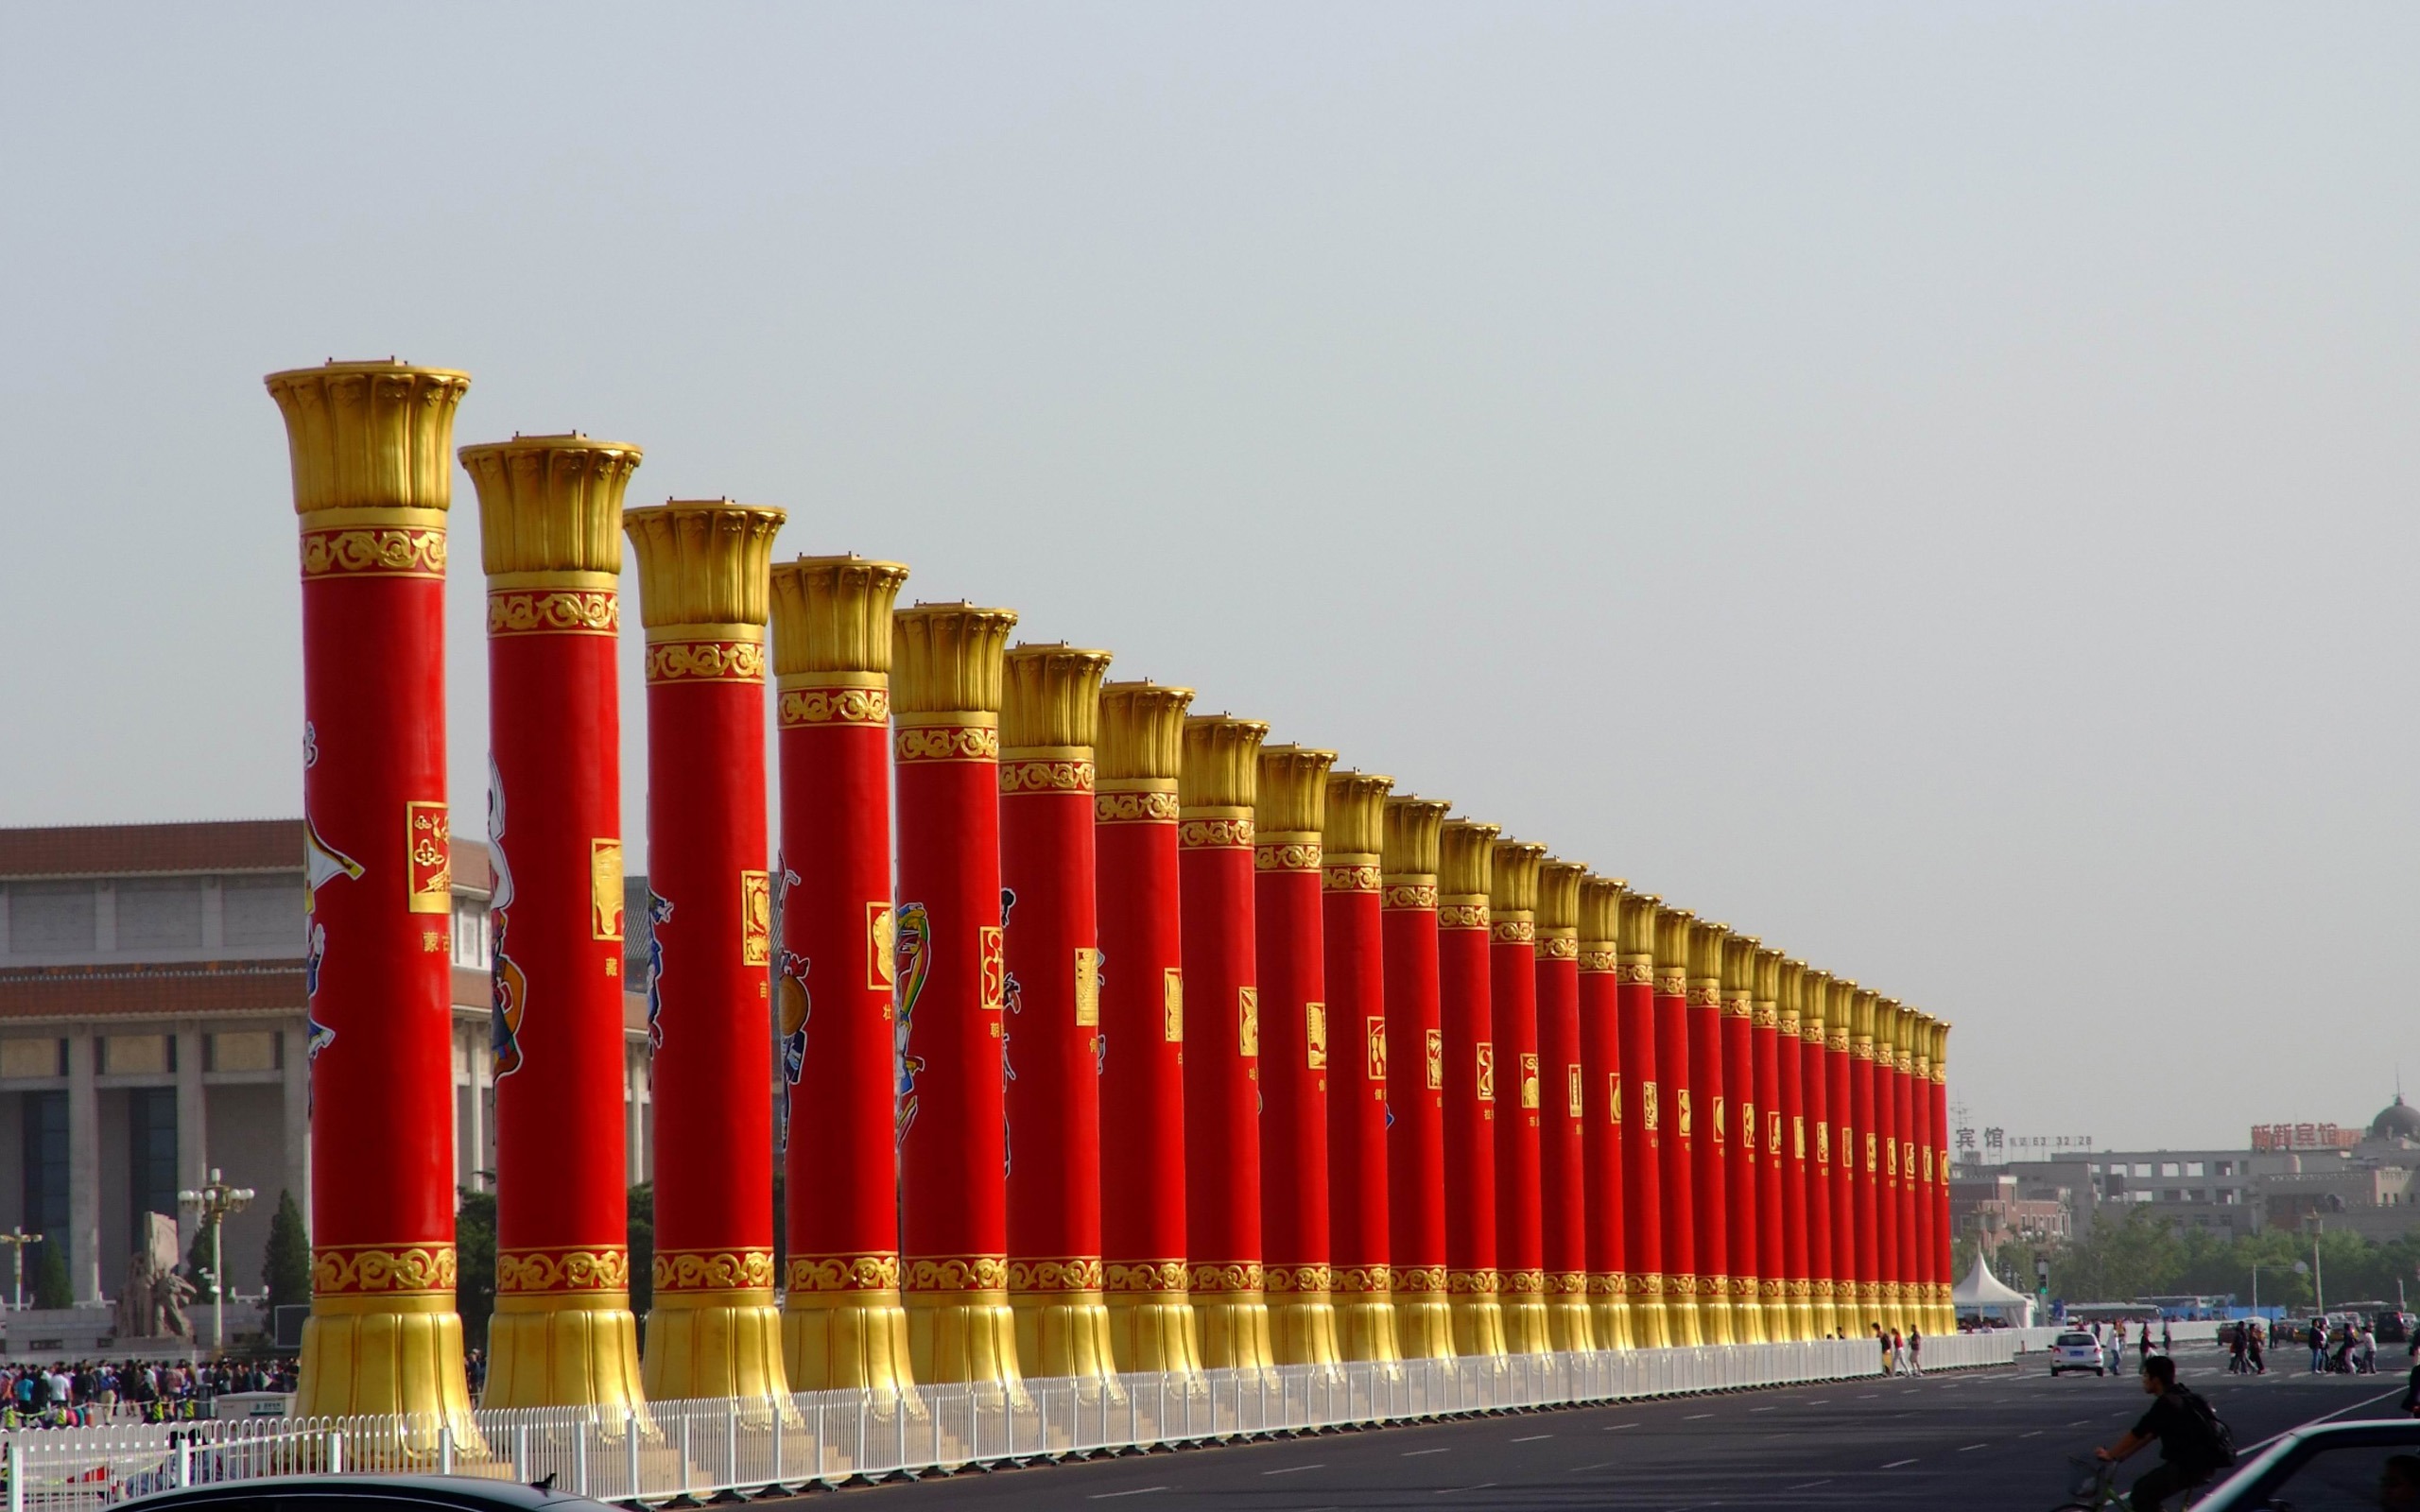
[{"x": 2397, "y": 1124}]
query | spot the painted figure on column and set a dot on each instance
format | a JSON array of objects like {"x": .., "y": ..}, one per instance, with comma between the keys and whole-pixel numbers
[
  {"x": 1474, "y": 1076},
  {"x": 1289, "y": 812},
  {"x": 705, "y": 576},
  {"x": 1416, "y": 1086},
  {"x": 1602, "y": 1106},
  {"x": 1216, "y": 791},
  {"x": 1353, "y": 931},
  {"x": 1769, "y": 1130},
  {"x": 1513, "y": 1013},
  {"x": 1051, "y": 1037},
  {"x": 370, "y": 446},
  {"x": 550, "y": 516},
  {"x": 1797, "y": 1150},
  {"x": 948, "y": 668},
  {"x": 1564, "y": 1196},
  {"x": 1742, "y": 1128},
  {"x": 1700, "y": 944},
  {"x": 1141, "y": 747},
  {"x": 1814, "y": 1081},
  {"x": 833, "y": 967}
]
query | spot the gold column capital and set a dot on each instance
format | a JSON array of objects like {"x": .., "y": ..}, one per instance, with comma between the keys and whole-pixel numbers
[
  {"x": 703, "y": 562},
  {"x": 1513, "y": 878},
  {"x": 1860, "y": 1019},
  {"x": 949, "y": 658},
  {"x": 1219, "y": 778},
  {"x": 1637, "y": 919},
  {"x": 1140, "y": 738},
  {"x": 1413, "y": 837},
  {"x": 1559, "y": 883},
  {"x": 1289, "y": 806},
  {"x": 1466, "y": 861},
  {"x": 1599, "y": 918},
  {"x": 369, "y": 434},
  {"x": 1813, "y": 991},
  {"x": 1739, "y": 962},
  {"x": 551, "y": 504},
  {"x": 1050, "y": 701},
  {"x": 832, "y": 620},
  {"x": 1673, "y": 928},
  {"x": 1355, "y": 827}
]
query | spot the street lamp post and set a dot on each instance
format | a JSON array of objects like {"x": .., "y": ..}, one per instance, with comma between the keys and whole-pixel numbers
[
  {"x": 212, "y": 1205},
  {"x": 17, "y": 1239}
]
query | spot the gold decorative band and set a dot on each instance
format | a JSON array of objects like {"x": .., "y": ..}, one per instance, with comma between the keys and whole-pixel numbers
[
  {"x": 1488, "y": 1283},
  {"x": 958, "y": 1273},
  {"x": 339, "y": 1270},
  {"x": 1411, "y": 895},
  {"x": 1416, "y": 1277},
  {"x": 1863, "y": 1047},
  {"x": 1135, "y": 808},
  {"x": 842, "y": 1273},
  {"x": 1076, "y": 1273},
  {"x": 1836, "y": 1038},
  {"x": 1297, "y": 1278},
  {"x": 1639, "y": 968},
  {"x": 1644, "y": 1282},
  {"x": 1214, "y": 835},
  {"x": 1045, "y": 777},
  {"x": 1239, "y": 1275},
  {"x": 1738, "y": 1005},
  {"x": 1705, "y": 995},
  {"x": 525, "y": 612},
  {"x": 1768, "y": 1016},
  {"x": 1567, "y": 1283},
  {"x": 1526, "y": 1282},
  {"x": 713, "y": 1270},
  {"x": 1349, "y": 878},
  {"x": 1671, "y": 981},
  {"x": 1362, "y": 1281},
  {"x": 606, "y": 1268},
  {"x": 946, "y": 743},
  {"x": 1786, "y": 1022},
  {"x": 1143, "y": 1275},
  {"x": 705, "y": 661},
  {"x": 1596, "y": 960},
  {"x": 1559, "y": 948},
  {"x": 414, "y": 551},
  {"x": 835, "y": 706},
  {"x": 1287, "y": 857},
  {"x": 1461, "y": 915},
  {"x": 1516, "y": 932},
  {"x": 1608, "y": 1283}
]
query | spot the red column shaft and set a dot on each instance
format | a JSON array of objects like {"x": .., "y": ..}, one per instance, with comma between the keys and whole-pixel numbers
[
  {"x": 1564, "y": 1198},
  {"x": 1865, "y": 1188},
  {"x": 1911, "y": 1251},
  {"x": 1942, "y": 1276},
  {"x": 1817, "y": 1171},
  {"x": 1290, "y": 964},
  {"x": 1886, "y": 1181},
  {"x": 1848, "y": 1296},
  {"x": 1773, "y": 1273},
  {"x": 1742, "y": 1166},
  {"x": 1709, "y": 1160},
  {"x": 1416, "y": 1114},
  {"x": 1669, "y": 1066},
  {"x": 1472, "y": 1258},
  {"x": 1513, "y": 1013},
  {"x": 1352, "y": 936},
  {"x": 1598, "y": 984},
  {"x": 1796, "y": 1219},
  {"x": 1223, "y": 1087}
]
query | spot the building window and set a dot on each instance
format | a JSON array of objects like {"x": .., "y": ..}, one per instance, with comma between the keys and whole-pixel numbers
[
  {"x": 2197, "y": 1194},
  {"x": 2167, "y": 1167},
  {"x": 2225, "y": 1168},
  {"x": 45, "y": 1174},
  {"x": 2194, "y": 1168},
  {"x": 2172, "y": 1194},
  {"x": 51, "y": 918},
  {"x": 138, "y": 1055},
  {"x": 470, "y": 944},
  {"x": 33, "y": 1058},
  {"x": 263, "y": 910},
  {"x": 2142, "y": 1168},
  {"x": 151, "y": 1153},
  {"x": 159, "y": 914},
  {"x": 249, "y": 1050}
]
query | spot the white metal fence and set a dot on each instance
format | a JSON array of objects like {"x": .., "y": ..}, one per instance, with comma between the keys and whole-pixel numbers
[{"x": 671, "y": 1449}]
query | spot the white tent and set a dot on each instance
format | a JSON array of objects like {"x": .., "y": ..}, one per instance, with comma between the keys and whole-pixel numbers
[{"x": 1982, "y": 1292}]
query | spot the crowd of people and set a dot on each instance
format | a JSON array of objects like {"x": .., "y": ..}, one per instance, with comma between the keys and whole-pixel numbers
[{"x": 91, "y": 1392}]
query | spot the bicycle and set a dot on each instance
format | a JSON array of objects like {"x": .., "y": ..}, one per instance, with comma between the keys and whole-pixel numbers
[{"x": 2095, "y": 1487}]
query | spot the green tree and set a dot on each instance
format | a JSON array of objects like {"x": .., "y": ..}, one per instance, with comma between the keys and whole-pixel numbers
[
  {"x": 286, "y": 1270},
  {"x": 197, "y": 1263},
  {"x": 474, "y": 1258},
  {"x": 640, "y": 1212},
  {"x": 50, "y": 1277}
]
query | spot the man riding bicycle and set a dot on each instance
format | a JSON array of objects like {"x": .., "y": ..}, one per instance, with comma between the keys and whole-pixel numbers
[{"x": 2192, "y": 1448}]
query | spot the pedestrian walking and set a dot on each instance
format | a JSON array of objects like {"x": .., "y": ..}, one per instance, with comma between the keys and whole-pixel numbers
[
  {"x": 2317, "y": 1336},
  {"x": 1915, "y": 1351}
]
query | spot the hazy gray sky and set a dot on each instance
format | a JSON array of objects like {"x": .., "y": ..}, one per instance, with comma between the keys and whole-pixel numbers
[{"x": 1928, "y": 484}]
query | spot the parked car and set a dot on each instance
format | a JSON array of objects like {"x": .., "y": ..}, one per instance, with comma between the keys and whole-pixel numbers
[
  {"x": 2357, "y": 1464},
  {"x": 2077, "y": 1351},
  {"x": 368, "y": 1493},
  {"x": 2395, "y": 1328}
]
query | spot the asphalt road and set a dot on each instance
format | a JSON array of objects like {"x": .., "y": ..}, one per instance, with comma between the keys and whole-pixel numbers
[{"x": 1983, "y": 1439}]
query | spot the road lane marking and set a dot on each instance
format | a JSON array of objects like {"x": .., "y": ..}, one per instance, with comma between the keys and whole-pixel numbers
[
  {"x": 1971, "y": 1448},
  {"x": 1897, "y": 1462},
  {"x": 1697, "y": 1416},
  {"x": 1292, "y": 1469},
  {"x": 1809, "y": 1485},
  {"x": 1449, "y": 1491},
  {"x": 1533, "y": 1438},
  {"x": 1760, "y": 1409},
  {"x": 1412, "y": 1454},
  {"x": 1140, "y": 1490},
  {"x": 2036, "y": 1434},
  {"x": 1614, "y": 1428}
]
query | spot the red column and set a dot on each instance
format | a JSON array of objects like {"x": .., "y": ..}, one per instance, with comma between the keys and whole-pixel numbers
[
  {"x": 1512, "y": 1016},
  {"x": 370, "y": 446},
  {"x": 1289, "y": 812},
  {"x": 705, "y": 574},
  {"x": 1886, "y": 1129},
  {"x": 1050, "y": 711},
  {"x": 1142, "y": 1017},
  {"x": 1416, "y": 1094},
  {"x": 1920, "y": 1268},
  {"x": 1219, "y": 783},
  {"x": 953, "y": 989},
  {"x": 550, "y": 511},
  {"x": 1904, "y": 1109},
  {"x": 1563, "y": 1176},
  {"x": 1796, "y": 1152},
  {"x": 1710, "y": 1155},
  {"x": 1814, "y": 1092},
  {"x": 1743, "y": 1161},
  {"x": 1354, "y": 935},
  {"x": 834, "y": 975},
  {"x": 1772, "y": 1283},
  {"x": 1866, "y": 1166},
  {"x": 1654, "y": 1324},
  {"x": 1597, "y": 982},
  {"x": 1472, "y": 1077},
  {"x": 1850, "y": 1308},
  {"x": 1945, "y": 1312},
  {"x": 1671, "y": 1069}
]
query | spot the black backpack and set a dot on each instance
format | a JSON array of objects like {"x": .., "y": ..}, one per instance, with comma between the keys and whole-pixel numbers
[{"x": 2215, "y": 1440}]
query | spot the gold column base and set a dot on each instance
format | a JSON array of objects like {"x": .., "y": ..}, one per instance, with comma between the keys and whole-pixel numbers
[
  {"x": 1570, "y": 1324},
  {"x": 1801, "y": 1311},
  {"x": 1651, "y": 1323},
  {"x": 1680, "y": 1306},
  {"x": 1820, "y": 1300},
  {"x": 564, "y": 1350},
  {"x": 1713, "y": 1299},
  {"x": 1424, "y": 1325},
  {"x": 1869, "y": 1309},
  {"x": 714, "y": 1344},
  {"x": 376, "y": 1355},
  {"x": 1609, "y": 1310},
  {"x": 967, "y": 1334},
  {"x": 1476, "y": 1312},
  {"x": 1894, "y": 1315},
  {"x": 1527, "y": 1328},
  {"x": 1773, "y": 1300},
  {"x": 1235, "y": 1329},
  {"x": 1747, "y": 1315},
  {"x": 853, "y": 1340},
  {"x": 1365, "y": 1327},
  {"x": 1062, "y": 1334},
  {"x": 1301, "y": 1328},
  {"x": 1153, "y": 1332}
]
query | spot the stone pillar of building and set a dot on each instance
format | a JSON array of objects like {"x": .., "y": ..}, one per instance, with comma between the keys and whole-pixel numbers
[
  {"x": 1705, "y": 1113},
  {"x": 371, "y": 447},
  {"x": 1520, "y": 1113},
  {"x": 1790, "y": 1081},
  {"x": 1562, "y": 1177},
  {"x": 1887, "y": 1016},
  {"x": 1473, "y": 1281},
  {"x": 1850, "y": 1308},
  {"x": 1289, "y": 814},
  {"x": 1140, "y": 750},
  {"x": 1814, "y": 1081},
  {"x": 1741, "y": 1126},
  {"x": 1597, "y": 986},
  {"x": 1353, "y": 931},
  {"x": 947, "y": 669},
  {"x": 834, "y": 974},
  {"x": 1662, "y": 1313},
  {"x": 1416, "y": 1091},
  {"x": 1944, "y": 1311},
  {"x": 1050, "y": 1039},
  {"x": 1771, "y": 1129},
  {"x": 1217, "y": 788},
  {"x": 550, "y": 518},
  {"x": 705, "y": 580},
  {"x": 1865, "y": 1188}
]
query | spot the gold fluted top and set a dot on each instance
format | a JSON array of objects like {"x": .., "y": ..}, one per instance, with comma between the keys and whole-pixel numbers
[
  {"x": 1559, "y": 894},
  {"x": 1903, "y": 1020},
  {"x": 1940, "y": 1043},
  {"x": 1601, "y": 911},
  {"x": 1707, "y": 942},
  {"x": 1814, "y": 991},
  {"x": 1842, "y": 1016},
  {"x": 1790, "y": 986},
  {"x": 1886, "y": 1029},
  {"x": 1415, "y": 827},
  {"x": 1920, "y": 1038},
  {"x": 1221, "y": 768},
  {"x": 1466, "y": 859},
  {"x": 1051, "y": 697},
  {"x": 1861, "y": 1004},
  {"x": 1357, "y": 816},
  {"x": 1672, "y": 927},
  {"x": 1739, "y": 963},
  {"x": 1291, "y": 806},
  {"x": 1513, "y": 878},
  {"x": 1141, "y": 732},
  {"x": 369, "y": 434},
  {"x": 703, "y": 561},
  {"x": 1765, "y": 975},
  {"x": 832, "y": 614},
  {"x": 948, "y": 657},
  {"x": 550, "y": 504}
]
